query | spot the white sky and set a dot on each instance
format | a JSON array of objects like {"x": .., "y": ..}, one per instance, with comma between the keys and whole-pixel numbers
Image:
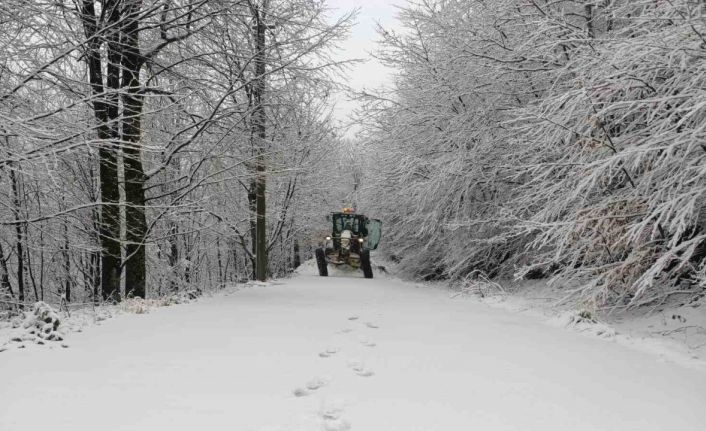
[{"x": 371, "y": 73}]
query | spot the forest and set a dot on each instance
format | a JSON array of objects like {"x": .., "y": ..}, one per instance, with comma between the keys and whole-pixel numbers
[{"x": 153, "y": 146}]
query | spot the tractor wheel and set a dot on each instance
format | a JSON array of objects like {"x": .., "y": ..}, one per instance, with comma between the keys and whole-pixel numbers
[
  {"x": 321, "y": 262},
  {"x": 365, "y": 264}
]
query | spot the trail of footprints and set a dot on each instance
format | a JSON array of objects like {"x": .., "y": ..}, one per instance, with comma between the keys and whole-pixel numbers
[
  {"x": 357, "y": 366},
  {"x": 331, "y": 413}
]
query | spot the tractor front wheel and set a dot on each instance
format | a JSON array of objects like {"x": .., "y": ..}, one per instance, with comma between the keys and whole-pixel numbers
[
  {"x": 365, "y": 264},
  {"x": 321, "y": 262}
]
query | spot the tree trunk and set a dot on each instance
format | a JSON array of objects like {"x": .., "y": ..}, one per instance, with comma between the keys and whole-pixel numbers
[
  {"x": 18, "y": 234},
  {"x": 173, "y": 255},
  {"x": 260, "y": 132},
  {"x": 67, "y": 263},
  {"x": 221, "y": 277},
  {"x": 252, "y": 206},
  {"x": 105, "y": 109},
  {"x": 5, "y": 277},
  {"x": 28, "y": 266},
  {"x": 297, "y": 256},
  {"x": 41, "y": 264},
  {"x": 136, "y": 229}
]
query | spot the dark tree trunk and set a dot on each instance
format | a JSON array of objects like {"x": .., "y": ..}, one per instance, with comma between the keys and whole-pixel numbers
[
  {"x": 234, "y": 253},
  {"x": 67, "y": 264},
  {"x": 219, "y": 260},
  {"x": 96, "y": 272},
  {"x": 96, "y": 253},
  {"x": 5, "y": 277},
  {"x": 173, "y": 254},
  {"x": 41, "y": 264},
  {"x": 105, "y": 109},
  {"x": 297, "y": 256},
  {"x": 18, "y": 234},
  {"x": 260, "y": 132},
  {"x": 28, "y": 266},
  {"x": 136, "y": 229},
  {"x": 252, "y": 205}
]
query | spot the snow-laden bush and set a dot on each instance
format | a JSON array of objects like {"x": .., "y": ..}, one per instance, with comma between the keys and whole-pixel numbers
[
  {"x": 139, "y": 305},
  {"x": 182, "y": 297},
  {"x": 43, "y": 322},
  {"x": 478, "y": 283},
  {"x": 7, "y": 310},
  {"x": 584, "y": 321},
  {"x": 136, "y": 305}
]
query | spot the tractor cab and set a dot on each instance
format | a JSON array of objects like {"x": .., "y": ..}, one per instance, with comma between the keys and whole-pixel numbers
[
  {"x": 352, "y": 237},
  {"x": 361, "y": 228}
]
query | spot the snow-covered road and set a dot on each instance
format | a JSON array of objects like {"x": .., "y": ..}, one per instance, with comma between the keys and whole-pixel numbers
[{"x": 376, "y": 355}]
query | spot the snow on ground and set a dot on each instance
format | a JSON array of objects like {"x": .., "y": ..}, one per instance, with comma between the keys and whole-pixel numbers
[
  {"x": 343, "y": 353},
  {"x": 674, "y": 332}
]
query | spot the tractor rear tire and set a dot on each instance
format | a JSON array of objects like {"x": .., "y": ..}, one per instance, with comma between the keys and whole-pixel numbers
[
  {"x": 365, "y": 264},
  {"x": 321, "y": 262}
]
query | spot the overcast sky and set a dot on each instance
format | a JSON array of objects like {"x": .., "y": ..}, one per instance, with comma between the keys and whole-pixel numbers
[{"x": 369, "y": 74}]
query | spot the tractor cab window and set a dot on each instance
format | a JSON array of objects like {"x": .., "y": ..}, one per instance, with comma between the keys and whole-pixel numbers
[
  {"x": 338, "y": 224},
  {"x": 350, "y": 222}
]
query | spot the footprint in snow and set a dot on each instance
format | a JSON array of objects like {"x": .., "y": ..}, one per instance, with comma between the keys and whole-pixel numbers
[
  {"x": 353, "y": 318},
  {"x": 316, "y": 383},
  {"x": 360, "y": 369},
  {"x": 328, "y": 352},
  {"x": 371, "y": 325},
  {"x": 367, "y": 342},
  {"x": 300, "y": 392},
  {"x": 346, "y": 330},
  {"x": 331, "y": 415},
  {"x": 311, "y": 385},
  {"x": 365, "y": 372}
]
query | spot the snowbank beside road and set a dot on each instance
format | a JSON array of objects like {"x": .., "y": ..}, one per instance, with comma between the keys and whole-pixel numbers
[{"x": 671, "y": 333}]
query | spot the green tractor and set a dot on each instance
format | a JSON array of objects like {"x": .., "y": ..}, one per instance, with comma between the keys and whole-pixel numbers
[{"x": 352, "y": 238}]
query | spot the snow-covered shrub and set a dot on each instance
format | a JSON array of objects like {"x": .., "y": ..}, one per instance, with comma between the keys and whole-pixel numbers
[
  {"x": 584, "y": 321},
  {"x": 478, "y": 283},
  {"x": 43, "y": 322},
  {"x": 138, "y": 305},
  {"x": 182, "y": 297},
  {"x": 135, "y": 305},
  {"x": 6, "y": 308}
]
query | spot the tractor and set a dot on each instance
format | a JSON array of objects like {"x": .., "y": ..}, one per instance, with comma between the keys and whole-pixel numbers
[{"x": 352, "y": 238}]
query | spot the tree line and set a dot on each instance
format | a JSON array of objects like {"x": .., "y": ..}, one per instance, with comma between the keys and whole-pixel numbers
[
  {"x": 140, "y": 139},
  {"x": 535, "y": 138}
]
